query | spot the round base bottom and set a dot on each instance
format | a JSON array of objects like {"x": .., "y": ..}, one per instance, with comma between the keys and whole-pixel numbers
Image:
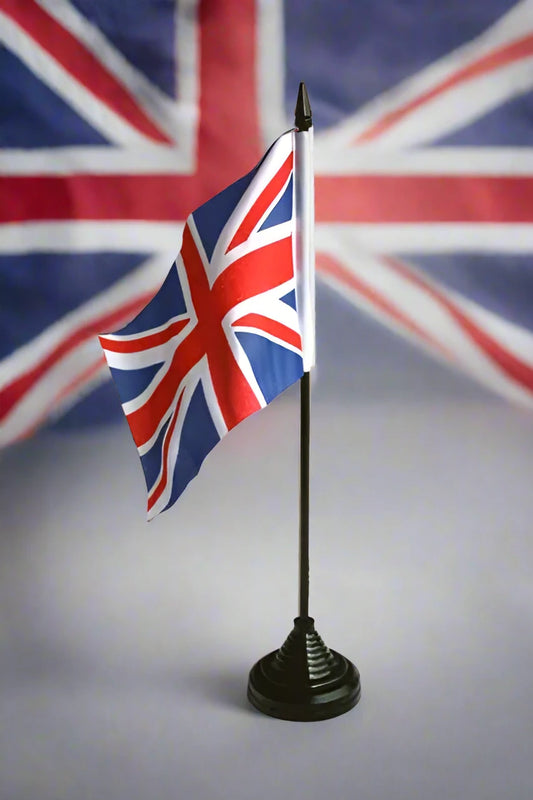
[{"x": 304, "y": 703}]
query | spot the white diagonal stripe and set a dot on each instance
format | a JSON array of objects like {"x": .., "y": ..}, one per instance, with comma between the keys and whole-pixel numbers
[
  {"x": 34, "y": 406},
  {"x": 513, "y": 26},
  {"x": 165, "y": 113},
  {"x": 459, "y": 106},
  {"x": 188, "y": 390},
  {"x": 418, "y": 305},
  {"x": 87, "y": 105},
  {"x": 144, "y": 279}
]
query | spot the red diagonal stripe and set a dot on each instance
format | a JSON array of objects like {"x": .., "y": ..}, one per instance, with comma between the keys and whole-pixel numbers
[
  {"x": 13, "y": 393},
  {"x": 253, "y": 274},
  {"x": 79, "y": 381},
  {"x": 330, "y": 266},
  {"x": 271, "y": 326},
  {"x": 145, "y": 420},
  {"x": 512, "y": 366},
  {"x": 143, "y": 342},
  {"x": 158, "y": 488},
  {"x": 81, "y": 64},
  {"x": 262, "y": 203},
  {"x": 501, "y": 57},
  {"x": 234, "y": 394}
]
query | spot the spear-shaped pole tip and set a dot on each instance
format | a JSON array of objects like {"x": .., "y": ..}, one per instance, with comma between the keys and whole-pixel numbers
[{"x": 303, "y": 118}]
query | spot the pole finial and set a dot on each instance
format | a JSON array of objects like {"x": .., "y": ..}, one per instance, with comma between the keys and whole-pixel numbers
[{"x": 303, "y": 118}]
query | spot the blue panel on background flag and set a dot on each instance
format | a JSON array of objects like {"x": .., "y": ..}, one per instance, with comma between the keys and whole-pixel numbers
[
  {"x": 193, "y": 448},
  {"x": 211, "y": 217},
  {"x": 38, "y": 288},
  {"x": 143, "y": 31},
  {"x": 502, "y": 283},
  {"x": 35, "y": 116},
  {"x": 275, "y": 367},
  {"x": 508, "y": 125},
  {"x": 282, "y": 211},
  {"x": 353, "y": 52},
  {"x": 168, "y": 303},
  {"x": 99, "y": 407}
]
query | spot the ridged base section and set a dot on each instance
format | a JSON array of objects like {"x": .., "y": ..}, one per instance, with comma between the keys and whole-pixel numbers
[{"x": 304, "y": 680}]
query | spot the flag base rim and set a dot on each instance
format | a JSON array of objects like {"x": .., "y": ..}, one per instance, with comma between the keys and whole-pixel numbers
[{"x": 304, "y": 681}]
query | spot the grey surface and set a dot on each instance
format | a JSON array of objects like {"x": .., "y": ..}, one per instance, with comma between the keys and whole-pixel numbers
[{"x": 125, "y": 647}]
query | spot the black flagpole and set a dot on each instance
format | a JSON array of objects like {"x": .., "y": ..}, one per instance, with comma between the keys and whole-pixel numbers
[
  {"x": 305, "y": 422},
  {"x": 304, "y": 680},
  {"x": 303, "y": 121}
]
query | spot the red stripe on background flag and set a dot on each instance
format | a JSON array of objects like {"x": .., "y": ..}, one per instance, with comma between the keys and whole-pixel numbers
[
  {"x": 339, "y": 198},
  {"x": 424, "y": 198},
  {"x": 512, "y": 366},
  {"x": 81, "y": 64},
  {"x": 229, "y": 136},
  {"x": 83, "y": 378},
  {"x": 515, "y": 51},
  {"x": 14, "y": 392}
]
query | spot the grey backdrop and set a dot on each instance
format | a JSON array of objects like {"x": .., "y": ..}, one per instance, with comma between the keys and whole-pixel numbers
[{"x": 125, "y": 647}]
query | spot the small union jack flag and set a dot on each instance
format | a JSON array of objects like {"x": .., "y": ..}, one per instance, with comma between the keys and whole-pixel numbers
[{"x": 221, "y": 338}]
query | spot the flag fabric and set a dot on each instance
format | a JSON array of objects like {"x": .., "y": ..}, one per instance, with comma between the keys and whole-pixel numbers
[
  {"x": 119, "y": 118},
  {"x": 221, "y": 338}
]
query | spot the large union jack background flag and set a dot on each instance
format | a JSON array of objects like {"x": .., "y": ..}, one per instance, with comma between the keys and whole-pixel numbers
[
  {"x": 221, "y": 338},
  {"x": 119, "y": 118}
]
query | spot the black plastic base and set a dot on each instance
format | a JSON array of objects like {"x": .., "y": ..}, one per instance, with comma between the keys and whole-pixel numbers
[{"x": 304, "y": 680}]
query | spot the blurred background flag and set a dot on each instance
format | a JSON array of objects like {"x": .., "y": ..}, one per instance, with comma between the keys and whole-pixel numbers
[
  {"x": 118, "y": 118},
  {"x": 221, "y": 338}
]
